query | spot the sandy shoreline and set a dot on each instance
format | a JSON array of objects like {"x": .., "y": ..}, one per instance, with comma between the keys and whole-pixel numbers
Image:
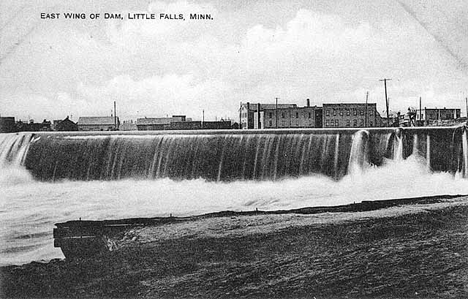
[{"x": 410, "y": 251}]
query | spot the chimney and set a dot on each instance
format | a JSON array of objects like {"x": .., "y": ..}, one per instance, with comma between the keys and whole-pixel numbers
[{"x": 308, "y": 103}]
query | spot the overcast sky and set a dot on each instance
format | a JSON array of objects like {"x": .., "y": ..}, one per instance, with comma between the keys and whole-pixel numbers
[{"x": 328, "y": 51}]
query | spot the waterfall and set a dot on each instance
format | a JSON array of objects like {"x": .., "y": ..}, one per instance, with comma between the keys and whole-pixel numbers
[
  {"x": 228, "y": 155},
  {"x": 465, "y": 153},
  {"x": 359, "y": 158},
  {"x": 415, "y": 145},
  {"x": 13, "y": 149},
  {"x": 428, "y": 152},
  {"x": 398, "y": 146}
]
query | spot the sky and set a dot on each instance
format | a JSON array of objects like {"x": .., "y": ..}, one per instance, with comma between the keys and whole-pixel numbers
[{"x": 251, "y": 51}]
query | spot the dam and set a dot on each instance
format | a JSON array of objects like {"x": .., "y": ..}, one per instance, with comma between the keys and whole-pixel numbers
[{"x": 229, "y": 155}]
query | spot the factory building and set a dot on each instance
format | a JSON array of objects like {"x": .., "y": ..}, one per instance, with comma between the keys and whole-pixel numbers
[
  {"x": 343, "y": 115},
  {"x": 293, "y": 117},
  {"x": 351, "y": 115}
]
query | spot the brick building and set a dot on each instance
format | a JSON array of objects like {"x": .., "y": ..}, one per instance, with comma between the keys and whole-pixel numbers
[
  {"x": 247, "y": 113},
  {"x": 294, "y": 117},
  {"x": 351, "y": 115},
  {"x": 344, "y": 115}
]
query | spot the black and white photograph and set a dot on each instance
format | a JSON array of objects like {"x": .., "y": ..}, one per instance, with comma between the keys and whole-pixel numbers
[{"x": 234, "y": 149}]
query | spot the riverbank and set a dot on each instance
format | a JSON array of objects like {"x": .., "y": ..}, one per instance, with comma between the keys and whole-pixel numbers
[{"x": 411, "y": 251}]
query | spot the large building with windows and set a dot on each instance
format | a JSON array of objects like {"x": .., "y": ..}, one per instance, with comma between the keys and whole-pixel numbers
[
  {"x": 345, "y": 115},
  {"x": 294, "y": 117},
  {"x": 249, "y": 114},
  {"x": 351, "y": 115}
]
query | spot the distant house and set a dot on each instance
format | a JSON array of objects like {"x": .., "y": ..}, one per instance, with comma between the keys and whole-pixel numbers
[
  {"x": 98, "y": 123},
  {"x": 65, "y": 125}
]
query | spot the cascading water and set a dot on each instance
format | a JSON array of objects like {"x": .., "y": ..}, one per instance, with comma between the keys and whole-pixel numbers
[
  {"x": 415, "y": 150},
  {"x": 398, "y": 146},
  {"x": 13, "y": 149},
  {"x": 226, "y": 156},
  {"x": 465, "y": 153},
  {"x": 359, "y": 158},
  {"x": 428, "y": 153}
]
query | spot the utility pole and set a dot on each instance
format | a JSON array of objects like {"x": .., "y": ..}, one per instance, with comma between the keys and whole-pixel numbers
[
  {"x": 386, "y": 98},
  {"x": 466, "y": 105},
  {"x": 203, "y": 119},
  {"x": 276, "y": 112},
  {"x": 366, "y": 120}
]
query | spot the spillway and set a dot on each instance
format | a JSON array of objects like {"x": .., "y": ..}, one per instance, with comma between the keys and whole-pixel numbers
[{"x": 229, "y": 155}]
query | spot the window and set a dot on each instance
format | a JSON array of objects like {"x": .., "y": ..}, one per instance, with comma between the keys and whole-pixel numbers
[
  {"x": 310, "y": 115},
  {"x": 355, "y": 123},
  {"x": 271, "y": 115},
  {"x": 297, "y": 114},
  {"x": 326, "y": 123},
  {"x": 354, "y": 111},
  {"x": 341, "y": 112},
  {"x": 348, "y": 123},
  {"x": 337, "y": 124},
  {"x": 282, "y": 115},
  {"x": 347, "y": 112},
  {"x": 327, "y": 112},
  {"x": 362, "y": 112},
  {"x": 334, "y": 112},
  {"x": 371, "y": 112},
  {"x": 361, "y": 123},
  {"x": 270, "y": 124}
]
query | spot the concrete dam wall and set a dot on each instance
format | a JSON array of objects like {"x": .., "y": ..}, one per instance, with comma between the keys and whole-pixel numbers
[{"x": 229, "y": 155}]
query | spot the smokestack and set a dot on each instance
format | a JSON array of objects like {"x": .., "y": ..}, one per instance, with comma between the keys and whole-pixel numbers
[{"x": 308, "y": 103}]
